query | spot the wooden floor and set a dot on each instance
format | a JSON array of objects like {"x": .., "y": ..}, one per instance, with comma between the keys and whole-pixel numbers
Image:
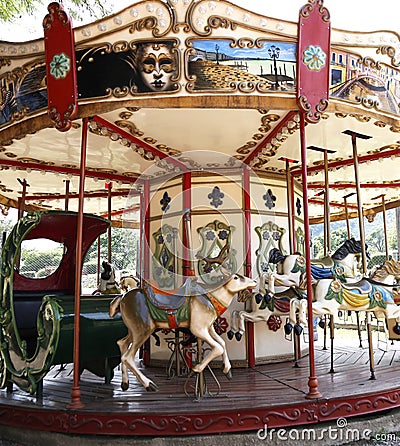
[{"x": 272, "y": 394}]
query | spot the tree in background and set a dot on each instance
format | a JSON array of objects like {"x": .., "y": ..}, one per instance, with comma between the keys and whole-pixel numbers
[
  {"x": 338, "y": 237},
  {"x": 376, "y": 241},
  {"x": 124, "y": 250},
  {"x": 12, "y": 10}
]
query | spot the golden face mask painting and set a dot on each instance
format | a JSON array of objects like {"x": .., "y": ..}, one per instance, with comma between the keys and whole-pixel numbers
[{"x": 156, "y": 66}]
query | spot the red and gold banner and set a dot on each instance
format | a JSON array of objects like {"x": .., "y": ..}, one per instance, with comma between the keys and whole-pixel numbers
[
  {"x": 60, "y": 67},
  {"x": 313, "y": 60}
]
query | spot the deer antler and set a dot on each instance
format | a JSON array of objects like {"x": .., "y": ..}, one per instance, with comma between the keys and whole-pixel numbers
[{"x": 220, "y": 259}]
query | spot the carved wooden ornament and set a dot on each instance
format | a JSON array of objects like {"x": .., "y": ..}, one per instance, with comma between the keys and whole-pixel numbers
[
  {"x": 313, "y": 60},
  {"x": 60, "y": 67}
]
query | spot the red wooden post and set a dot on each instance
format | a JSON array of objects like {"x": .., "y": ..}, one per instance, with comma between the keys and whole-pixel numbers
[
  {"x": 248, "y": 270},
  {"x": 76, "y": 391},
  {"x": 187, "y": 263},
  {"x": 146, "y": 256},
  {"x": 313, "y": 72}
]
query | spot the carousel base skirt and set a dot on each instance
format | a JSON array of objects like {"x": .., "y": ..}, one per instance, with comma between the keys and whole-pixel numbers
[{"x": 255, "y": 401}]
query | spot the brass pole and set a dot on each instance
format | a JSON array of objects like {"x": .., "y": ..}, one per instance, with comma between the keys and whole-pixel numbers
[
  {"x": 384, "y": 226},
  {"x": 354, "y": 137},
  {"x": 347, "y": 218},
  {"x": 289, "y": 192}
]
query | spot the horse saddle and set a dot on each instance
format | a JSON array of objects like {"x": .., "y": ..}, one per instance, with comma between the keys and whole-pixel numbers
[
  {"x": 168, "y": 300},
  {"x": 363, "y": 286},
  {"x": 324, "y": 262}
]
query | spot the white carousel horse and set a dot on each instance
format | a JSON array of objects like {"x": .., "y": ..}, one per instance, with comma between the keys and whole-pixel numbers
[
  {"x": 192, "y": 307},
  {"x": 284, "y": 303},
  {"x": 108, "y": 282},
  {"x": 343, "y": 264},
  {"x": 373, "y": 294}
]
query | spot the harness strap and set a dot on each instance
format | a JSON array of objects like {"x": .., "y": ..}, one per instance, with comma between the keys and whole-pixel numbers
[
  {"x": 172, "y": 322},
  {"x": 220, "y": 308}
]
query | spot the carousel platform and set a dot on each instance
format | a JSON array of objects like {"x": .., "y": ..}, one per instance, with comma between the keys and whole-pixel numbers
[{"x": 271, "y": 395}]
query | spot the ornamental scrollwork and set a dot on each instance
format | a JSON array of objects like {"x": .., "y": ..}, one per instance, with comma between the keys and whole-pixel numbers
[
  {"x": 306, "y": 10},
  {"x": 390, "y": 52}
]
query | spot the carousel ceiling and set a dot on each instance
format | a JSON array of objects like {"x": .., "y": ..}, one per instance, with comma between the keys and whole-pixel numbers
[{"x": 195, "y": 125}]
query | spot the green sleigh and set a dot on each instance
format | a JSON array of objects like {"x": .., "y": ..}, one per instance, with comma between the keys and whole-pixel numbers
[{"x": 37, "y": 315}]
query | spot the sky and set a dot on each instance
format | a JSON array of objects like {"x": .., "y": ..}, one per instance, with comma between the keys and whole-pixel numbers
[{"x": 355, "y": 15}]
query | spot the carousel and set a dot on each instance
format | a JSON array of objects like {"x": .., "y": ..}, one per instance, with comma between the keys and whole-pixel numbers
[{"x": 221, "y": 135}]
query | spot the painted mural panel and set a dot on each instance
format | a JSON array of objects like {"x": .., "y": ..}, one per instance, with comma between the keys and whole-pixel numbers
[
  {"x": 226, "y": 64},
  {"x": 128, "y": 68},
  {"x": 153, "y": 67},
  {"x": 364, "y": 81}
]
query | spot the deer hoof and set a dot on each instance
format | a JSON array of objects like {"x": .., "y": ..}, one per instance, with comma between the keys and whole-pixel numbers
[
  {"x": 229, "y": 374},
  {"x": 152, "y": 387}
]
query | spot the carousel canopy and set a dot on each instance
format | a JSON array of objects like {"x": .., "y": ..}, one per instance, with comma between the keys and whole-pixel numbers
[{"x": 175, "y": 85}]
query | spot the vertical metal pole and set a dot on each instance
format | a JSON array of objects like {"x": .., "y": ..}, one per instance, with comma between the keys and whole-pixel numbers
[
  {"x": 327, "y": 209},
  {"x": 66, "y": 202},
  {"x": 384, "y": 227},
  {"x": 21, "y": 202},
  {"x": 346, "y": 210},
  {"x": 248, "y": 267},
  {"x": 289, "y": 194},
  {"x": 76, "y": 391},
  {"x": 354, "y": 137},
  {"x": 109, "y": 211},
  {"x": 140, "y": 250},
  {"x": 146, "y": 256},
  {"x": 187, "y": 264},
  {"x": 146, "y": 229},
  {"x": 313, "y": 391},
  {"x": 370, "y": 347},
  {"x": 294, "y": 247},
  {"x": 359, "y": 204}
]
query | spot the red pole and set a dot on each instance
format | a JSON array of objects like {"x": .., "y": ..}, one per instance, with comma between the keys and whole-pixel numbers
[
  {"x": 294, "y": 240},
  {"x": 146, "y": 229},
  {"x": 146, "y": 256},
  {"x": 66, "y": 203},
  {"x": 248, "y": 269},
  {"x": 76, "y": 391},
  {"x": 312, "y": 380},
  {"x": 187, "y": 265}
]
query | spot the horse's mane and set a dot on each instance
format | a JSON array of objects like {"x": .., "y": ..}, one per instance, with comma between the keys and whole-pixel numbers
[
  {"x": 390, "y": 267},
  {"x": 352, "y": 246},
  {"x": 275, "y": 256}
]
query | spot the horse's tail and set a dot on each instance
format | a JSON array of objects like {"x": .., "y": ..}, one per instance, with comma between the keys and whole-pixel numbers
[{"x": 114, "y": 306}]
